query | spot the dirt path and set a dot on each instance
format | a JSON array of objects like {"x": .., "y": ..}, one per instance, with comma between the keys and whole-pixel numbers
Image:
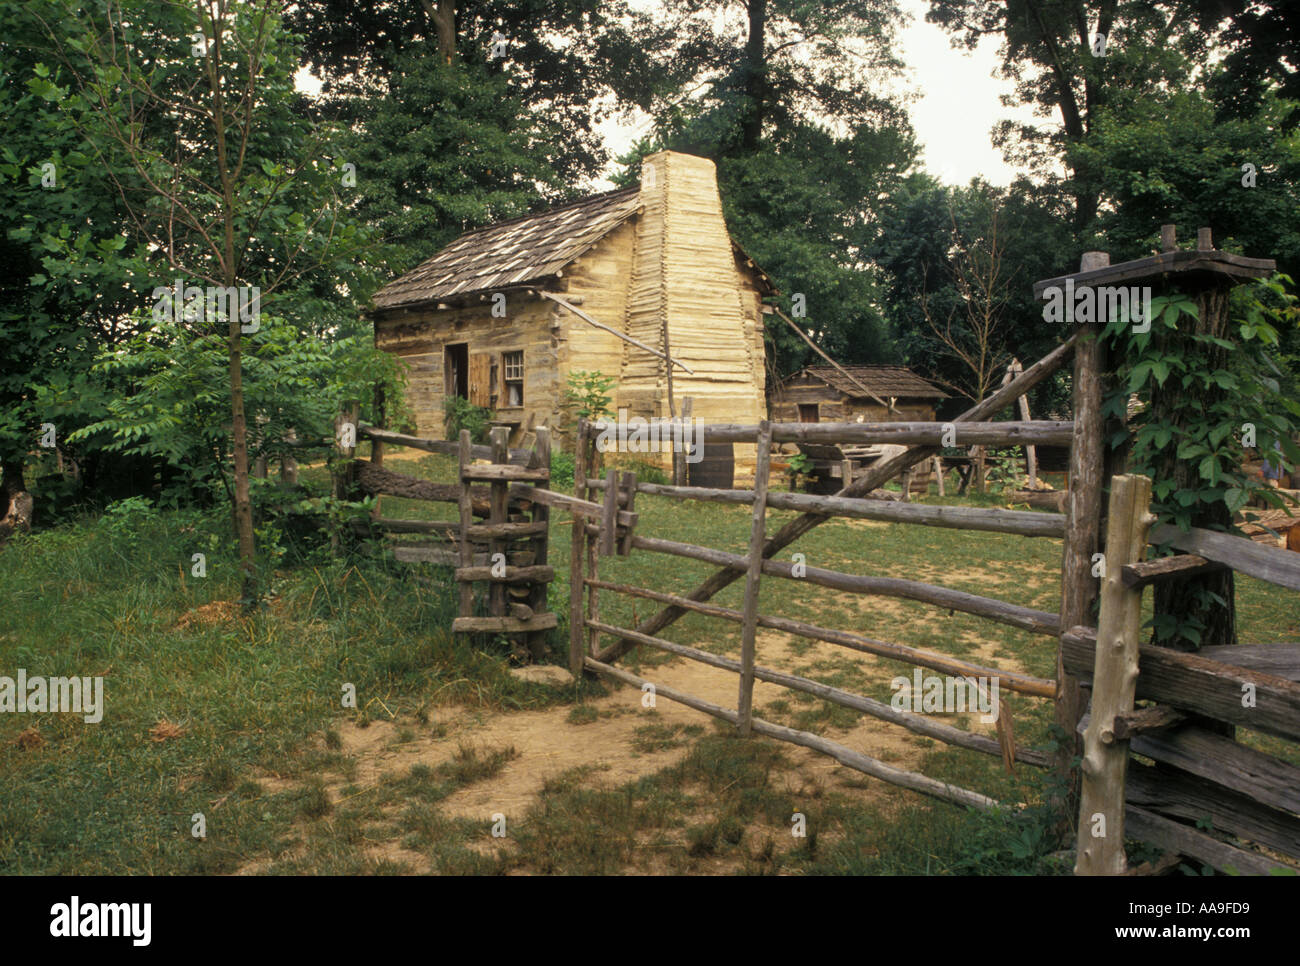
[{"x": 607, "y": 736}]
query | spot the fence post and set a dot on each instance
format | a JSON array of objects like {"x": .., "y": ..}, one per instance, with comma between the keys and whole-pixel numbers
[
  {"x": 593, "y": 560},
  {"x": 575, "y": 553},
  {"x": 757, "y": 537},
  {"x": 680, "y": 459},
  {"x": 1083, "y": 519},
  {"x": 1114, "y": 681},
  {"x": 609, "y": 518},
  {"x": 537, "y": 594},
  {"x": 343, "y": 473},
  {"x": 466, "y": 505},
  {"x": 498, "y": 506}
]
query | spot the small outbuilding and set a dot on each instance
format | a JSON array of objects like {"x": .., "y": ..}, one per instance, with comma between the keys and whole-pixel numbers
[{"x": 826, "y": 395}]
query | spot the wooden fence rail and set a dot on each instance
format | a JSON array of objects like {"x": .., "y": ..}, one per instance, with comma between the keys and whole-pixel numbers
[
  {"x": 936, "y": 661},
  {"x": 930, "y": 433},
  {"x": 1025, "y": 523},
  {"x": 1014, "y": 615},
  {"x": 845, "y": 756}
]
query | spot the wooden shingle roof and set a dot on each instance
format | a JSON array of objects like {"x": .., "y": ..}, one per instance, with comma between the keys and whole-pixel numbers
[
  {"x": 885, "y": 381},
  {"x": 516, "y": 252}
]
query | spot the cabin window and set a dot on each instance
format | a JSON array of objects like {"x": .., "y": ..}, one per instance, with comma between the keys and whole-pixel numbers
[
  {"x": 512, "y": 367},
  {"x": 808, "y": 413}
]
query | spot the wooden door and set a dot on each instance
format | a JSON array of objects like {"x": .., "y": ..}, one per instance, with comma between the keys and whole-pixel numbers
[{"x": 480, "y": 378}]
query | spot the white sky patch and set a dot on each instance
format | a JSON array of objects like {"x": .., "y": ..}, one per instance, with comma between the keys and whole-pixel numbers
[
  {"x": 958, "y": 105},
  {"x": 307, "y": 82}
]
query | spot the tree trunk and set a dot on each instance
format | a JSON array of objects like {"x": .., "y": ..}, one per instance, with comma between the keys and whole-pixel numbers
[
  {"x": 243, "y": 498},
  {"x": 755, "y": 76},
  {"x": 444, "y": 22},
  {"x": 14, "y": 499}
]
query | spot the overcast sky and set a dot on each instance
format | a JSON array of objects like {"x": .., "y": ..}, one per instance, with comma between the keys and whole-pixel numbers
[{"x": 957, "y": 106}]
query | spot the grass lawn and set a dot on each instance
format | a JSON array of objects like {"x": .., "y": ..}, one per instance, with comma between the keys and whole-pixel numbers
[{"x": 242, "y": 719}]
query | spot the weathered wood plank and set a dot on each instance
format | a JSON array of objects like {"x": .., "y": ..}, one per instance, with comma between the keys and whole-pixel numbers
[
  {"x": 478, "y": 451},
  {"x": 1147, "y": 826},
  {"x": 1198, "y": 684},
  {"x": 1221, "y": 760},
  {"x": 538, "y": 596},
  {"x": 451, "y": 557},
  {"x": 500, "y": 501},
  {"x": 1279, "y": 660},
  {"x": 928, "y": 433},
  {"x": 569, "y": 504},
  {"x": 1142, "y": 720},
  {"x": 1138, "y": 575},
  {"x": 495, "y": 473},
  {"x": 513, "y": 575},
  {"x": 504, "y": 625},
  {"x": 506, "y": 531},
  {"x": 1273, "y": 564},
  {"x": 627, "y": 496},
  {"x": 1025, "y": 523},
  {"x": 1175, "y": 794}
]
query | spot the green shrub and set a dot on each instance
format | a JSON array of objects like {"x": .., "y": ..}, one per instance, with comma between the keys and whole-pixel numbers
[
  {"x": 586, "y": 396},
  {"x": 562, "y": 465},
  {"x": 463, "y": 414}
]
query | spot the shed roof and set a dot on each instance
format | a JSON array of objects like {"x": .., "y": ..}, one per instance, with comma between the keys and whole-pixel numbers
[
  {"x": 515, "y": 252},
  {"x": 885, "y": 381}
]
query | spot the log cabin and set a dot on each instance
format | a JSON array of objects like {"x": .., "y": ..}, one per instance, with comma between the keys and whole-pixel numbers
[
  {"x": 825, "y": 394},
  {"x": 615, "y": 283}
]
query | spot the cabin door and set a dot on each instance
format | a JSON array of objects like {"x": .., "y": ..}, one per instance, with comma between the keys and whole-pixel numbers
[{"x": 455, "y": 362}]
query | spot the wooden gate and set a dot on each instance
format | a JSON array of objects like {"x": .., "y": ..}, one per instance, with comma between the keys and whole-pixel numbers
[{"x": 594, "y": 539}]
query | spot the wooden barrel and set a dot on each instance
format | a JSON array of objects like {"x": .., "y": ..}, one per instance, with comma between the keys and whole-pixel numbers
[{"x": 717, "y": 468}]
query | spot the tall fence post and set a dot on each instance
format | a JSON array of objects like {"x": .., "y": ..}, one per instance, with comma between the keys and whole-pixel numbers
[
  {"x": 465, "y": 502},
  {"x": 1114, "y": 682},
  {"x": 540, "y": 543},
  {"x": 757, "y": 537},
  {"x": 1083, "y": 519},
  {"x": 575, "y": 553},
  {"x": 343, "y": 472},
  {"x": 498, "y": 510}
]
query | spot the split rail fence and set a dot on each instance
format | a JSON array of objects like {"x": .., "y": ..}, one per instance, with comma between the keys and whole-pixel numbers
[
  {"x": 1197, "y": 770},
  {"x": 594, "y": 538}
]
